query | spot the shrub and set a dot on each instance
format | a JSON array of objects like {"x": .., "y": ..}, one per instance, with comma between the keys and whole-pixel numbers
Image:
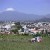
[
  {"x": 15, "y": 31},
  {"x": 38, "y": 34},
  {"x": 25, "y": 34}
]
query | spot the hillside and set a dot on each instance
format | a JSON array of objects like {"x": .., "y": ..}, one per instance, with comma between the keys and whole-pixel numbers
[{"x": 17, "y": 16}]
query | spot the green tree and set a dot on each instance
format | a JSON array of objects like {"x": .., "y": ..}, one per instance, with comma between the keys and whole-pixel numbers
[
  {"x": 17, "y": 23},
  {"x": 18, "y": 26},
  {"x": 14, "y": 31}
]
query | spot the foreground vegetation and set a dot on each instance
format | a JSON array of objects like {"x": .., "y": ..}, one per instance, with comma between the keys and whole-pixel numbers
[{"x": 21, "y": 42}]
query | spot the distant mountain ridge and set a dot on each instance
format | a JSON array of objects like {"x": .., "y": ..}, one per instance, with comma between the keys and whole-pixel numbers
[
  {"x": 17, "y": 16},
  {"x": 45, "y": 19}
]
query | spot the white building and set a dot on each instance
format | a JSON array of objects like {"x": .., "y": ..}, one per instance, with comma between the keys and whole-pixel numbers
[{"x": 6, "y": 27}]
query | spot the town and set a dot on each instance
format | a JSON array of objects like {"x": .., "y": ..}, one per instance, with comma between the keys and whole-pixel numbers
[{"x": 26, "y": 28}]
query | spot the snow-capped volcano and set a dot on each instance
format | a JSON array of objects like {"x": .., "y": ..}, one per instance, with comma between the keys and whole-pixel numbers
[{"x": 10, "y": 14}]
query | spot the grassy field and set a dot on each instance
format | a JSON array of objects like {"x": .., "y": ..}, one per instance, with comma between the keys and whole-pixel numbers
[{"x": 19, "y": 42}]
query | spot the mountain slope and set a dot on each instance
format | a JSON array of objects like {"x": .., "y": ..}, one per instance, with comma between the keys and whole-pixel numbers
[
  {"x": 45, "y": 19},
  {"x": 17, "y": 16}
]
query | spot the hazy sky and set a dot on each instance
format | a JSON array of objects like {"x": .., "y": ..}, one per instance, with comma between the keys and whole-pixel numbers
[{"x": 40, "y": 7}]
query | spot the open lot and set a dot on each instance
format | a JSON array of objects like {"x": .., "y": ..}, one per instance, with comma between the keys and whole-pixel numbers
[{"x": 20, "y": 42}]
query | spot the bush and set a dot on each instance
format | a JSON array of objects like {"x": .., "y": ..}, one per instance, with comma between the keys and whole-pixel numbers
[
  {"x": 38, "y": 34},
  {"x": 25, "y": 34},
  {"x": 15, "y": 31}
]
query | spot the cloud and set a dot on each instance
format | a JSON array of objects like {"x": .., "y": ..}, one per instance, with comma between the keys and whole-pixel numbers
[{"x": 10, "y": 9}]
